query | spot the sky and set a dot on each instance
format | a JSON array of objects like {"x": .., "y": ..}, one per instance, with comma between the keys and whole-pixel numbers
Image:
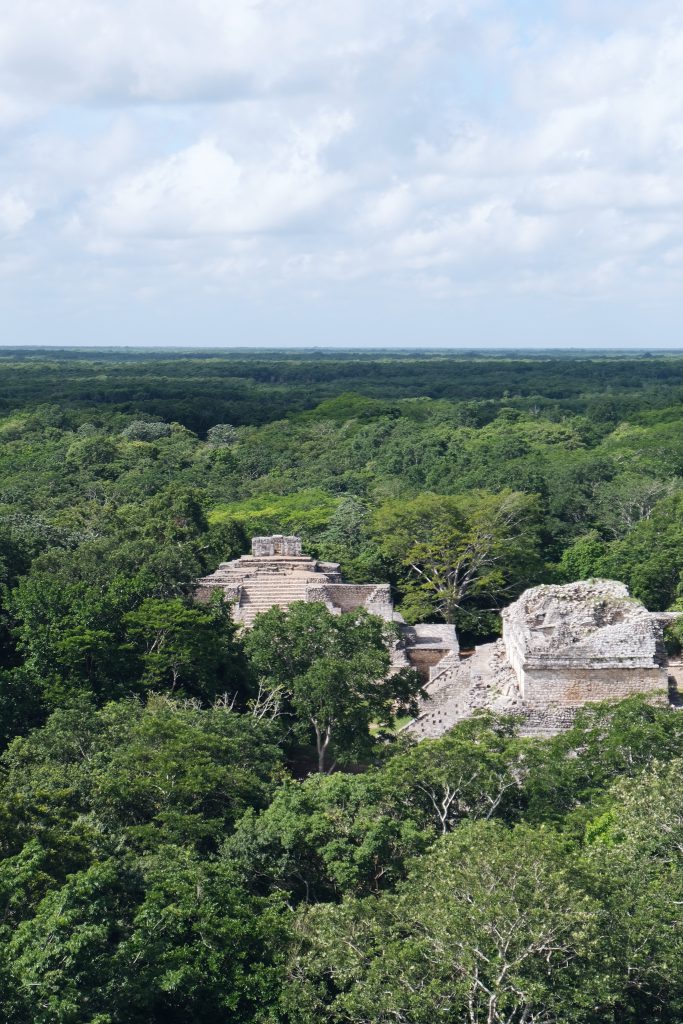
[{"x": 354, "y": 172}]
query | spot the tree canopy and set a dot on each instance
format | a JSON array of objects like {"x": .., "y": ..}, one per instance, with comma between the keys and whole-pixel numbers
[
  {"x": 203, "y": 826},
  {"x": 333, "y": 671}
]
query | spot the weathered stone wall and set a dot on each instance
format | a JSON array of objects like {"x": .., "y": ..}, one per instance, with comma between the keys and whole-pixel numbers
[
  {"x": 583, "y": 641},
  {"x": 204, "y": 594},
  {"x": 447, "y": 703},
  {"x": 577, "y": 686},
  {"x": 431, "y": 633},
  {"x": 348, "y": 596},
  {"x": 459, "y": 687},
  {"x": 674, "y": 671},
  {"x": 266, "y": 547},
  {"x": 515, "y": 653},
  {"x": 563, "y": 647},
  {"x": 541, "y": 723},
  {"x": 450, "y": 662},
  {"x": 424, "y": 658},
  {"x": 316, "y": 593},
  {"x": 381, "y": 603},
  {"x": 277, "y": 574}
]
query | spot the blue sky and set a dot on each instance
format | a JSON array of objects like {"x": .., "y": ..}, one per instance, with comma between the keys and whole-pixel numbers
[{"x": 276, "y": 172}]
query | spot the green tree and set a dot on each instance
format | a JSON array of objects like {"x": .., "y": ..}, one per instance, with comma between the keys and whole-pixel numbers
[
  {"x": 475, "y": 771},
  {"x": 462, "y": 553},
  {"x": 328, "y": 836},
  {"x": 170, "y": 939},
  {"x": 649, "y": 558},
  {"x": 145, "y": 775},
  {"x": 142, "y": 430},
  {"x": 570, "y": 773},
  {"x": 346, "y": 834},
  {"x": 113, "y": 905},
  {"x": 492, "y": 927},
  {"x": 630, "y": 498},
  {"x": 187, "y": 649},
  {"x": 222, "y": 434},
  {"x": 332, "y": 670},
  {"x": 633, "y": 858},
  {"x": 581, "y": 561},
  {"x": 21, "y": 704},
  {"x": 68, "y": 612}
]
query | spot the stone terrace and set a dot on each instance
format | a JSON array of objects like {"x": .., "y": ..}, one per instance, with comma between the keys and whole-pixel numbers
[
  {"x": 562, "y": 647},
  {"x": 276, "y": 573}
]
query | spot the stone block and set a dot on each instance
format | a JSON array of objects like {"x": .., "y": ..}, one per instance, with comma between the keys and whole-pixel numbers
[{"x": 267, "y": 547}]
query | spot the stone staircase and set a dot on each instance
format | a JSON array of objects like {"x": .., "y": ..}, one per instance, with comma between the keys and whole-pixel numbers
[
  {"x": 484, "y": 680},
  {"x": 259, "y": 593},
  {"x": 276, "y": 574},
  {"x": 445, "y": 706}
]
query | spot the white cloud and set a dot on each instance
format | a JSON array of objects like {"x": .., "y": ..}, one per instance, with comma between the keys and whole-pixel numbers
[
  {"x": 428, "y": 146},
  {"x": 164, "y": 50},
  {"x": 389, "y": 209},
  {"x": 15, "y": 212},
  {"x": 205, "y": 190},
  {"x": 482, "y": 232}
]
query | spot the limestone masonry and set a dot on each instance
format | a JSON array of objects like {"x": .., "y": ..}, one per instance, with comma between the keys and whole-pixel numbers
[
  {"x": 277, "y": 573},
  {"x": 562, "y": 646}
]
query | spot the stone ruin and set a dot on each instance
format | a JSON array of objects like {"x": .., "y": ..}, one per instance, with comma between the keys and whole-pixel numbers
[
  {"x": 586, "y": 641},
  {"x": 276, "y": 573},
  {"x": 562, "y": 647},
  {"x": 267, "y": 547}
]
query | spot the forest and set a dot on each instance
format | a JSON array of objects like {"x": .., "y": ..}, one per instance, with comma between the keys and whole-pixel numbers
[{"x": 174, "y": 849}]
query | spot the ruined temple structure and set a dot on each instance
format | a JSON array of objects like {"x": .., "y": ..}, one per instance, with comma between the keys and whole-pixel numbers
[
  {"x": 562, "y": 647},
  {"x": 277, "y": 573}
]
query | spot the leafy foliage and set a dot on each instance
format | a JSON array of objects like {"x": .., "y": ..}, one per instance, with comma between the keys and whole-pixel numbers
[
  {"x": 332, "y": 670},
  {"x": 466, "y": 552},
  {"x": 169, "y": 853}
]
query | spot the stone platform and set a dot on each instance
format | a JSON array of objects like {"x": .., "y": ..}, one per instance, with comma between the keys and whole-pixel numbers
[
  {"x": 562, "y": 647},
  {"x": 276, "y": 574}
]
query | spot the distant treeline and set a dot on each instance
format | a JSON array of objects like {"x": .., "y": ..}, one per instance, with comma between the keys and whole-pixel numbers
[{"x": 200, "y": 389}]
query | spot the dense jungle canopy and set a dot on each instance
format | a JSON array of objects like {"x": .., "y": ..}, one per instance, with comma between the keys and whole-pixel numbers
[{"x": 169, "y": 852}]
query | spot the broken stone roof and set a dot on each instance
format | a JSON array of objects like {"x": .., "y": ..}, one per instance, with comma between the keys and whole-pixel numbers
[
  {"x": 427, "y": 634},
  {"x": 591, "y": 623}
]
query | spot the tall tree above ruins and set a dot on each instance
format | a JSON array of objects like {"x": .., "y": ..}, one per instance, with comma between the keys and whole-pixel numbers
[
  {"x": 331, "y": 672},
  {"x": 463, "y": 555}
]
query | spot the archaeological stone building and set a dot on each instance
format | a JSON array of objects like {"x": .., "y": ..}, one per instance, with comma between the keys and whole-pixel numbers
[
  {"x": 277, "y": 573},
  {"x": 562, "y": 646},
  {"x": 586, "y": 641}
]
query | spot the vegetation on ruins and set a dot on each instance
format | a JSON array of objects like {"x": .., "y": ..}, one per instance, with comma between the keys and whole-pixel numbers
[{"x": 169, "y": 851}]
